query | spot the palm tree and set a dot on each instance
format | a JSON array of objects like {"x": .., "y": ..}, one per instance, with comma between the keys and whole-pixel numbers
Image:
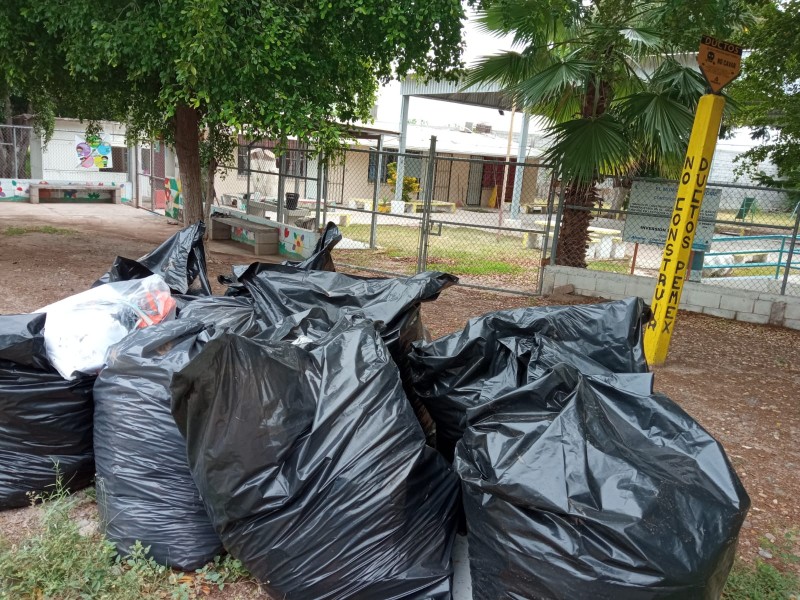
[{"x": 611, "y": 77}]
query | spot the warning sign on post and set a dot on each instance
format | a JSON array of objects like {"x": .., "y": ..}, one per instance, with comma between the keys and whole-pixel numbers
[{"x": 719, "y": 61}]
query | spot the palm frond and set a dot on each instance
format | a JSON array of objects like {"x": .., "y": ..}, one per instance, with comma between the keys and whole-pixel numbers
[
  {"x": 640, "y": 36},
  {"x": 551, "y": 83},
  {"x": 682, "y": 81},
  {"x": 585, "y": 148},
  {"x": 659, "y": 119},
  {"x": 506, "y": 68},
  {"x": 531, "y": 22}
]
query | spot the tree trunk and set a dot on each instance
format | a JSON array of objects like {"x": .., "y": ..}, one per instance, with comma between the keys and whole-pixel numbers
[
  {"x": 574, "y": 235},
  {"x": 187, "y": 148}
]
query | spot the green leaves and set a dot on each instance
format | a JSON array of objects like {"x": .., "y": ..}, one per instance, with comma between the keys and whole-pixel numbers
[
  {"x": 769, "y": 93},
  {"x": 583, "y": 149},
  {"x": 606, "y": 76},
  {"x": 658, "y": 118}
]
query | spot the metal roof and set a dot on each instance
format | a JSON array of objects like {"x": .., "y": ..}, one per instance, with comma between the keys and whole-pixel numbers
[{"x": 488, "y": 95}]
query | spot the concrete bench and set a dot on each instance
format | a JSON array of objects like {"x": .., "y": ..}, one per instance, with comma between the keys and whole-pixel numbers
[
  {"x": 437, "y": 206},
  {"x": 114, "y": 191},
  {"x": 265, "y": 238}
]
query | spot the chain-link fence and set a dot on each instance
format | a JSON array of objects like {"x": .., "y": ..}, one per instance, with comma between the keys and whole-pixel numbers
[
  {"x": 258, "y": 174},
  {"x": 15, "y": 155},
  {"x": 745, "y": 236},
  {"x": 445, "y": 216}
]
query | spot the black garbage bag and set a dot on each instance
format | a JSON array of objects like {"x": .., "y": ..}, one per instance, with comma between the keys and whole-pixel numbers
[
  {"x": 45, "y": 421},
  {"x": 180, "y": 261},
  {"x": 576, "y": 487},
  {"x": 319, "y": 479},
  {"x": 394, "y": 302},
  {"x": 448, "y": 374},
  {"x": 237, "y": 314},
  {"x": 145, "y": 490}
]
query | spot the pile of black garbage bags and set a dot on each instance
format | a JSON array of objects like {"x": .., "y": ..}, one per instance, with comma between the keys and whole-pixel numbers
[{"x": 304, "y": 423}]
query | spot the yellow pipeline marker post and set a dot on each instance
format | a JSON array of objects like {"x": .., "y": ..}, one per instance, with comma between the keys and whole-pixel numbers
[
  {"x": 680, "y": 235},
  {"x": 719, "y": 62}
]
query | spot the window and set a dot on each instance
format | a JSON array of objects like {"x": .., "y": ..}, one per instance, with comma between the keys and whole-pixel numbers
[
  {"x": 386, "y": 158},
  {"x": 241, "y": 159},
  {"x": 119, "y": 160}
]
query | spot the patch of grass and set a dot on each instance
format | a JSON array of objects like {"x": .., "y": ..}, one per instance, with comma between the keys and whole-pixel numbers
[
  {"x": 477, "y": 267},
  {"x": 780, "y": 219},
  {"x": 610, "y": 266},
  {"x": 48, "y": 229},
  {"x": 458, "y": 250},
  {"x": 760, "y": 581},
  {"x": 222, "y": 571},
  {"x": 764, "y": 581},
  {"x": 62, "y": 563},
  {"x": 752, "y": 272}
]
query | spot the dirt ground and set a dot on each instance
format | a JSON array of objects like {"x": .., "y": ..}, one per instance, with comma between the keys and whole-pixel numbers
[{"x": 740, "y": 381}]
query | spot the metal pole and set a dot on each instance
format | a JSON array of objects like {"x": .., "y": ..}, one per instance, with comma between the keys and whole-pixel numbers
[
  {"x": 325, "y": 191},
  {"x": 401, "y": 150},
  {"x": 248, "y": 170},
  {"x": 780, "y": 257},
  {"x": 136, "y": 151},
  {"x": 551, "y": 192},
  {"x": 519, "y": 170},
  {"x": 557, "y": 225},
  {"x": 14, "y": 151},
  {"x": 505, "y": 168},
  {"x": 633, "y": 260},
  {"x": 281, "y": 186},
  {"x": 422, "y": 255},
  {"x": 790, "y": 254},
  {"x": 319, "y": 188},
  {"x": 373, "y": 229}
]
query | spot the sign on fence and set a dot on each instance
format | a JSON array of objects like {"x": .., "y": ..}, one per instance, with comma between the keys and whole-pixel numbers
[{"x": 650, "y": 209}]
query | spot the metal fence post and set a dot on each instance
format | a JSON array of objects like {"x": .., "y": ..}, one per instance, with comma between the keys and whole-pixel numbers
[
  {"x": 373, "y": 229},
  {"x": 326, "y": 167},
  {"x": 249, "y": 167},
  {"x": 14, "y": 151},
  {"x": 557, "y": 226},
  {"x": 790, "y": 253},
  {"x": 281, "y": 186},
  {"x": 422, "y": 255},
  {"x": 548, "y": 213},
  {"x": 319, "y": 188}
]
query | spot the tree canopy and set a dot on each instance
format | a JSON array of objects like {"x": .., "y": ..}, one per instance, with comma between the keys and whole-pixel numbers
[
  {"x": 183, "y": 70},
  {"x": 768, "y": 93},
  {"x": 615, "y": 79}
]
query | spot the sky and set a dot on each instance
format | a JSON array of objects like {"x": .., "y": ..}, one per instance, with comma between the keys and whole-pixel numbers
[
  {"x": 431, "y": 112},
  {"x": 478, "y": 43}
]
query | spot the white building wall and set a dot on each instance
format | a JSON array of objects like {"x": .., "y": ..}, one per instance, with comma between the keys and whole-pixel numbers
[{"x": 60, "y": 161}]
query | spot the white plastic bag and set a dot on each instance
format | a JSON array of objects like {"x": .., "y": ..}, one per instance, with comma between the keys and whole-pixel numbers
[{"x": 79, "y": 330}]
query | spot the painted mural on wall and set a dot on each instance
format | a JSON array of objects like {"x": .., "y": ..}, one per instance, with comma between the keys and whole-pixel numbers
[
  {"x": 296, "y": 242},
  {"x": 14, "y": 190},
  {"x": 174, "y": 208},
  {"x": 18, "y": 190},
  {"x": 94, "y": 151},
  {"x": 239, "y": 234}
]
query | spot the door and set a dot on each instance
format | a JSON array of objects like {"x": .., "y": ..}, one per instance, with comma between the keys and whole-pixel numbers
[
  {"x": 441, "y": 188},
  {"x": 474, "y": 181}
]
